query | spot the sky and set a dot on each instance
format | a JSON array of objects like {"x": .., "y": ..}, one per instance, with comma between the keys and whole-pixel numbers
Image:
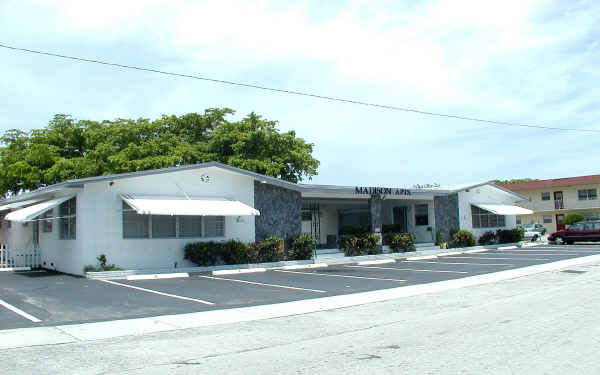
[{"x": 530, "y": 62}]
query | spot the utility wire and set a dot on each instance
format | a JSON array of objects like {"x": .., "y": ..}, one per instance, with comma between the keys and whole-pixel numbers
[{"x": 299, "y": 93}]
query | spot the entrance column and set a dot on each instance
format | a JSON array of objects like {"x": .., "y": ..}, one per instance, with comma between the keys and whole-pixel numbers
[{"x": 375, "y": 205}]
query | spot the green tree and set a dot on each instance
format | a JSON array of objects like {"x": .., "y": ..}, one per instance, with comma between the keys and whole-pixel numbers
[
  {"x": 573, "y": 218},
  {"x": 68, "y": 149}
]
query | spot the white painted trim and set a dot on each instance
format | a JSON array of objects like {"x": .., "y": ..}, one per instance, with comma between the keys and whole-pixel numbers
[
  {"x": 239, "y": 270},
  {"x": 158, "y": 276},
  {"x": 8, "y": 269},
  {"x": 450, "y": 253},
  {"x": 304, "y": 266},
  {"x": 381, "y": 261}
]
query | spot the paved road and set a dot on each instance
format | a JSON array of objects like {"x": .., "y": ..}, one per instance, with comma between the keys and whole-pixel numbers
[
  {"x": 55, "y": 298},
  {"x": 541, "y": 324}
]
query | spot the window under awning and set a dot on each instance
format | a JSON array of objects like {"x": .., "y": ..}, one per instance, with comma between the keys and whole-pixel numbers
[
  {"x": 31, "y": 212},
  {"x": 161, "y": 205},
  {"x": 503, "y": 209},
  {"x": 11, "y": 206}
]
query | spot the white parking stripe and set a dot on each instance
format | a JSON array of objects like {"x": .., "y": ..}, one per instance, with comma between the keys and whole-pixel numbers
[
  {"x": 264, "y": 284},
  {"x": 17, "y": 310},
  {"x": 502, "y": 258},
  {"x": 346, "y": 276},
  {"x": 158, "y": 293},
  {"x": 466, "y": 263},
  {"x": 405, "y": 269},
  {"x": 550, "y": 249}
]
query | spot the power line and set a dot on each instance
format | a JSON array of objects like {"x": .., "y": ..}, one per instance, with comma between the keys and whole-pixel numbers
[{"x": 299, "y": 93}]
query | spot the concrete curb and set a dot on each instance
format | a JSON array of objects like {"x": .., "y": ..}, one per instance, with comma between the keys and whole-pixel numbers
[
  {"x": 63, "y": 334},
  {"x": 299, "y": 264}
]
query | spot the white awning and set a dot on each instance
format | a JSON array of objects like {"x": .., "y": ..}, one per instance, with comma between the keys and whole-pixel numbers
[
  {"x": 31, "y": 212},
  {"x": 503, "y": 209},
  {"x": 160, "y": 205},
  {"x": 10, "y": 206}
]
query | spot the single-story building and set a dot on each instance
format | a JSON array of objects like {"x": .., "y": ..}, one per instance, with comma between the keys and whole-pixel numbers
[{"x": 144, "y": 219}]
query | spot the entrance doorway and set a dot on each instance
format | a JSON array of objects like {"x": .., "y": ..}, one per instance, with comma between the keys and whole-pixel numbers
[
  {"x": 400, "y": 217},
  {"x": 560, "y": 218},
  {"x": 558, "y": 200}
]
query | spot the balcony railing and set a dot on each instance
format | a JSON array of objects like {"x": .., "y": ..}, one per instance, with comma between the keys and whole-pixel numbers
[{"x": 558, "y": 204}]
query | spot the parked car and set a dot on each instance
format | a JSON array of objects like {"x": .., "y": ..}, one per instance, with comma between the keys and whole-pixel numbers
[
  {"x": 583, "y": 231},
  {"x": 531, "y": 235},
  {"x": 534, "y": 228}
]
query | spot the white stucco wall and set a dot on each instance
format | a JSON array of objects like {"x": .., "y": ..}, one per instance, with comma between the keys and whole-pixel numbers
[
  {"x": 100, "y": 223},
  {"x": 420, "y": 231},
  {"x": 483, "y": 194}
]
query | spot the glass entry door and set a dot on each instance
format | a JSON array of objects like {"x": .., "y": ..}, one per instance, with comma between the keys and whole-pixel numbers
[{"x": 401, "y": 218}]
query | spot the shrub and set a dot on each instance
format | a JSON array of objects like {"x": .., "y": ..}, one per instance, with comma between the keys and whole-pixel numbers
[
  {"x": 487, "y": 238},
  {"x": 510, "y": 235},
  {"x": 235, "y": 252},
  {"x": 301, "y": 247},
  {"x": 360, "y": 244},
  {"x": 203, "y": 253},
  {"x": 403, "y": 242},
  {"x": 439, "y": 238},
  {"x": 573, "y": 218},
  {"x": 271, "y": 249},
  {"x": 463, "y": 238},
  {"x": 101, "y": 267}
]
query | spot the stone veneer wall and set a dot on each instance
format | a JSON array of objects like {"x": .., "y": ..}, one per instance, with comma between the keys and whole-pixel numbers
[
  {"x": 446, "y": 214},
  {"x": 280, "y": 211}
]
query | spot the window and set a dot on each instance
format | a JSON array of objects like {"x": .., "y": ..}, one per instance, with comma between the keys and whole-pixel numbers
[
  {"x": 190, "y": 226},
  {"x": 166, "y": 226},
  {"x": 67, "y": 212},
  {"x": 546, "y": 196},
  {"x": 518, "y": 220},
  {"x": 485, "y": 219},
  {"x": 214, "y": 226},
  {"x": 421, "y": 214},
  {"x": 306, "y": 215},
  {"x": 47, "y": 223},
  {"x": 587, "y": 194},
  {"x": 163, "y": 226},
  {"x": 134, "y": 224},
  {"x": 547, "y": 219}
]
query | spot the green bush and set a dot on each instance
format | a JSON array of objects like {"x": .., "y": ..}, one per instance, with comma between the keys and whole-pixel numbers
[
  {"x": 235, "y": 252},
  {"x": 403, "y": 242},
  {"x": 271, "y": 249},
  {"x": 463, "y": 238},
  {"x": 439, "y": 237},
  {"x": 300, "y": 247},
  {"x": 487, "y": 238},
  {"x": 571, "y": 219},
  {"x": 203, "y": 253},
  {"x": 360, "y": 244},
  {"x": 510, "y": 235}
]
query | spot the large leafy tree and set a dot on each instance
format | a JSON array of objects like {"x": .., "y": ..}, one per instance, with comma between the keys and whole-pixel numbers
[{"x": 67, "y": 149}]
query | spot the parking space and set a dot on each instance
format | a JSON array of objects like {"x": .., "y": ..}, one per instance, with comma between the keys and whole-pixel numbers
[{"x": 54, "y": 298}]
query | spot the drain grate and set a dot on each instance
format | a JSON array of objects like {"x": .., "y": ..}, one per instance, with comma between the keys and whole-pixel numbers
[{"x": 574, "y": 271}]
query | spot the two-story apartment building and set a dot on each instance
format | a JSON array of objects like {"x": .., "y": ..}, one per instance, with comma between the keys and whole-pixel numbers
[{"x": 551, "y": 200}]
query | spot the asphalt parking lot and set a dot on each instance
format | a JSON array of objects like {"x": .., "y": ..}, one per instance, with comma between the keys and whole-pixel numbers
[{"x": 38, "y": 298}]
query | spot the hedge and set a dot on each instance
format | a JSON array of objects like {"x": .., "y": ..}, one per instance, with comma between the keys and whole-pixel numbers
[
  {"x": 271, "y": 249},
  {"x": 463, "y": 238}
]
